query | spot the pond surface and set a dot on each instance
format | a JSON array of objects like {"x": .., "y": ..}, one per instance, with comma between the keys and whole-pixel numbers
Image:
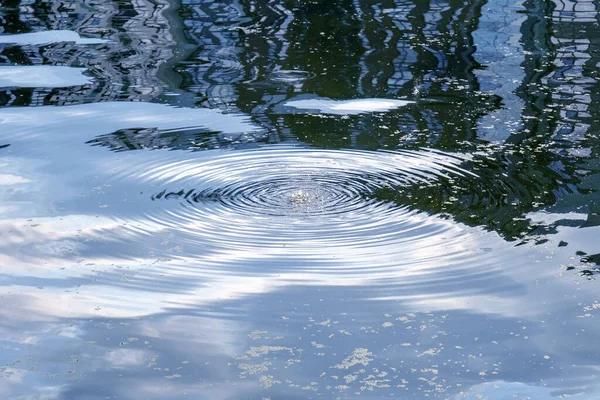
[{"x": 308, "y": 199}]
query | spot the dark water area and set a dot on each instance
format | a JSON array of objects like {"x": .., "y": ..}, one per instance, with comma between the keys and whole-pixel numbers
[{"x": 299, "y": 200}]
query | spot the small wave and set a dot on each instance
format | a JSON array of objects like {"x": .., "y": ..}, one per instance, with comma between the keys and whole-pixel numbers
[{"x": 291, "y": 75}]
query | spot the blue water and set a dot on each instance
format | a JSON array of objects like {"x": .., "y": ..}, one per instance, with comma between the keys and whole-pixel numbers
[{"x": 299, "y": 200}]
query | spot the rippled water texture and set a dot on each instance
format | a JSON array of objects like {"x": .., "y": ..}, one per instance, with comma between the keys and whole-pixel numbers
[{"x": 298, "y": 200}]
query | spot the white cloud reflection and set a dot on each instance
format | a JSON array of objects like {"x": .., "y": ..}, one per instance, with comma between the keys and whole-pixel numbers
[
  {"x": 48, "y": 37},
  {"x": 47, "y": 76}
]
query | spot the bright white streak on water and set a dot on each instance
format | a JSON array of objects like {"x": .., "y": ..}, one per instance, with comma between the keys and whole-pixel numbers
[
  {"x": 48, "y": 37},
  {"x": 48, "y": 76},
  {"x": 348, "y": 107}
]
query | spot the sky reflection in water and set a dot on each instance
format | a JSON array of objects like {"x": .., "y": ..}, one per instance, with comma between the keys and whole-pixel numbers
[{"x": 379, "y": 200}]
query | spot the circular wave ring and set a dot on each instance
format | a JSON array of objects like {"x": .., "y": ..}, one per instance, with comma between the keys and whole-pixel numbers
[
  {"x": 292, "y": 182},
  {"x": 307, "y": 215}
]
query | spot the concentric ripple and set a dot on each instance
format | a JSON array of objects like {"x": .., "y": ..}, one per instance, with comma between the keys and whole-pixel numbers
[
  {"x": 305, "y": 214},
  {"x": 289, "y": 183}
]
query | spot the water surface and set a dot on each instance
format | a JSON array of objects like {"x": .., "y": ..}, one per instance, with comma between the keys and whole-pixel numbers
[{"x": 293, "y": 200}]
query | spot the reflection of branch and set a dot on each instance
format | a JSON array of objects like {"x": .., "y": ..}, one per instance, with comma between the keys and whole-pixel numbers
[
  {"x": 190, "y": 196},
  {"x": 173, "y": 139},
  {"x": 506, "y": 190}
]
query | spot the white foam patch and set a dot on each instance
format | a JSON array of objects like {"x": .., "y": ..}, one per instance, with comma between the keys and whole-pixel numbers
[
  {"x": 348, "y": 107},
  {"x": 49, "y": 76},
  {"x": 48, "y": 37}
]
